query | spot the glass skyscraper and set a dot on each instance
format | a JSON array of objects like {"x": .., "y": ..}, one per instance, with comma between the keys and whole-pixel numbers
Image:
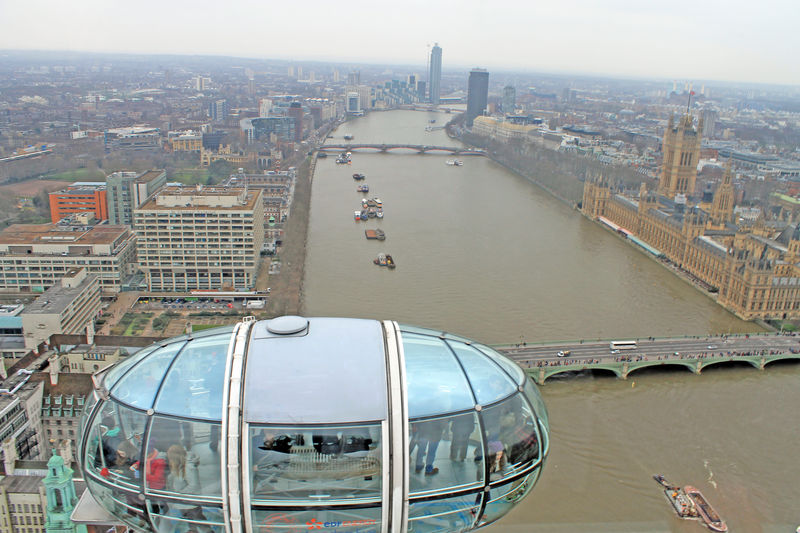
[
  {"x": 435, "y": 74},
  {"x": 477, "y": 93}
]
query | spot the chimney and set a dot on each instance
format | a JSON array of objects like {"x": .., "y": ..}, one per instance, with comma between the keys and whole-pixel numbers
[
  {"x": 53, "y": 368},
  {"x": 65, "y": 451},
  {"x": 9, "y": 455},
  {"x": 90, "y": 332}
]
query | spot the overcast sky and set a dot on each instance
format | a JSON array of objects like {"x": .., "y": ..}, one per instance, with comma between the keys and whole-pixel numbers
[{"x": 755, "y": 41}]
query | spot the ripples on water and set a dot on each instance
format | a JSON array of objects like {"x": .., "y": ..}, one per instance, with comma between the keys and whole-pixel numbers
[{"x": 482, "y": 252}]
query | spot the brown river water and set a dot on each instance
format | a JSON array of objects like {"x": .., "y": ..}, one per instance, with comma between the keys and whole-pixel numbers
[{"x": 486, "y": 254}]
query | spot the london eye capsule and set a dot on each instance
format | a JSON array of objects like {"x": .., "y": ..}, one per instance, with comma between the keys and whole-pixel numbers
[{"x": 297, "y": 423}]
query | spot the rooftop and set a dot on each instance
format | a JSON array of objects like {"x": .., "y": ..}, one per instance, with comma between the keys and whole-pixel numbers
[
  {"x": 57, "y": 298},
  {"x": 50, "y": 234},
  {"x": 199, "y": 197}
]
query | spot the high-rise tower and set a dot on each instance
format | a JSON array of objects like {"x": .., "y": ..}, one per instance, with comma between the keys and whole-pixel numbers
[
  {"x": 477, "y": 93},
  {"x": 722, "y": 207},
  {"x": 681, "y": 149},
  {"x": 435, "y": 74}
]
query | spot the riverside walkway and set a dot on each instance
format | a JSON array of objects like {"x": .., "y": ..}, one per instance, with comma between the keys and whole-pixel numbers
[{"x": 542, "y": 361}]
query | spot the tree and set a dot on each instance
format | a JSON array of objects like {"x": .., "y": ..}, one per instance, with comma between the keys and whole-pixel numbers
[{"x": 221, "y": 169}]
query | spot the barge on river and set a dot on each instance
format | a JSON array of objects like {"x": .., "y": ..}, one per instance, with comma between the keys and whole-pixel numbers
[{"x": 689, "y": 503}]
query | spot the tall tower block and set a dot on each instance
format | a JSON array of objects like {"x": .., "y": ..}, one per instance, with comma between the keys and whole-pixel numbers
[{"x": 681, "y": 150}]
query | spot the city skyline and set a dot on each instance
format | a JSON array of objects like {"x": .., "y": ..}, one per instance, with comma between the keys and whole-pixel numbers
[{"x": 711, "y": 41}]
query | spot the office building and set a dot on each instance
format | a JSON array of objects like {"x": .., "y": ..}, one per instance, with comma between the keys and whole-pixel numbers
[
  {"x": 185, "y": 141},
  {"x": 477, "y": 94},
  {"x": 353, "y": 103},
  {"x": 12, "y": 343},
  {"x": 349, "y": 398},
  {"x": 435, "y": 74},
  {"x": 134, "y": 138},
  {"x": 68, "y": 307},
  {"x": 126, "y": 191},
  {"x": 354, "y": 78},
  {"x": 509, "y": 99},
  {"x": 295, "y": 112},
  {"x": 200, "y": 238},
  {"x": 34, "y": 257},
  {"x": 80, "y": 197}
]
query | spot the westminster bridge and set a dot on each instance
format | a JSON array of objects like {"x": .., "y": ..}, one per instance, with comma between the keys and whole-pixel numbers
[
  {"x": 417, "y": 148},
  {"x": 542, "y": 361}
]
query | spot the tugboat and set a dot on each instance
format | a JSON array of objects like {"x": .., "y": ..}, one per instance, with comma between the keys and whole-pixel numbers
[
  {"x": 358, "y": 176},
  {"x": 390, "y": 264}
]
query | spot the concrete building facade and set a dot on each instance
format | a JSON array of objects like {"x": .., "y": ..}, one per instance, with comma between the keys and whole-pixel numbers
[
  {"x": 126, "y": 191},
  {"x": 34, "y": 257},
  {"x": 69, "y": 306},
  {"x": 195, "y": 238}
]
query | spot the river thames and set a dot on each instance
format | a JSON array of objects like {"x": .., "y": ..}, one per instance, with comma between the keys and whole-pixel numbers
[{"x": 484, "y": 253}]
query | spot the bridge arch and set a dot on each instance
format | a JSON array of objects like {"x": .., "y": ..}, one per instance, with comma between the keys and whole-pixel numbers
[
  {"x": 689, "y": 364},
  {"x": 789, "y": 357},
  {"x": 755, "y": 363}
]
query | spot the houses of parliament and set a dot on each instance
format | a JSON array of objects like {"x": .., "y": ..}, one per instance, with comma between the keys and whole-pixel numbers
[{"x": 754, "y": 269}]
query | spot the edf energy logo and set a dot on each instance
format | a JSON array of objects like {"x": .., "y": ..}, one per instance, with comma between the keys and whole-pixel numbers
[{"x": 362, "y": 526}]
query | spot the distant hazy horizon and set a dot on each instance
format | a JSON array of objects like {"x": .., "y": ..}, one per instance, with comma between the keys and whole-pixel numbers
[{"x": 681, "y": 39}]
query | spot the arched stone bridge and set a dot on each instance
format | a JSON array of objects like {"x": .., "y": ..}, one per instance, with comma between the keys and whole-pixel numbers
[
  {"x": 382, "y": 148},
  {"x": 624, "y": 369},
  {"x": 694, "y": 353}
]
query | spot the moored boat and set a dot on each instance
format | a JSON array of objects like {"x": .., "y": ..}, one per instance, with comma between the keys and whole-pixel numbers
[
  {"x": 371, "y": 212},
  {"x": 375, "y": 234},
  {"x": 380, "y": 260},
  {"x": 364, "y": 214},
  {"x": 390, "y": 261},
  {"x": 357, "y": 215},
  {"x": 704, "y": 510},
  {"x": 378, "y": 202},
  {"x": 379, "y": 212},
  {"x": 450, "y": 162}
]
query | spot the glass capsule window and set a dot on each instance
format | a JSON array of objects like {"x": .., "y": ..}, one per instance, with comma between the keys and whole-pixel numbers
[{"x": 327, "y": 463}]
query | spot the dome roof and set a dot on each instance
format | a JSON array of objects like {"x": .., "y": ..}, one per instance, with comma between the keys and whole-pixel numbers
[{"x": 445, "y": 373}]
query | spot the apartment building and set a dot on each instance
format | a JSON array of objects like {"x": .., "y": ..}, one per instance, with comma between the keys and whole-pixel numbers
[
  {"x": 34, "y": 257},
  {"x": 194, "y": 238}
]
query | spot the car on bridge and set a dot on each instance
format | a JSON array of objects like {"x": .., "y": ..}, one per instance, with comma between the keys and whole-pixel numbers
[{"x": 563, "y": 353}]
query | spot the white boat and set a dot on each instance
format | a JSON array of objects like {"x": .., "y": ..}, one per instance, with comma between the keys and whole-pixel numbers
[
  {"x": 357, "y": 215},
  {"x": 380, "y": 213},
  {"x": 450, "y": 162}
]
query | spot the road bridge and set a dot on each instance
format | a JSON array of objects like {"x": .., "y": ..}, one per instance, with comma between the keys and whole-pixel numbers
[
  {"x": 695, "y": 354},
  {"x": 383, "y": 148}
]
